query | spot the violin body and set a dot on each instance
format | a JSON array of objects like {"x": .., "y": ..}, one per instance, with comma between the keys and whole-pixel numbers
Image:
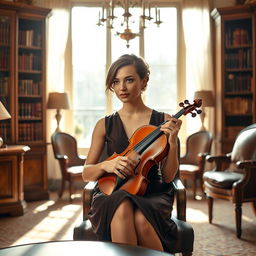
[
  {"x": 138, "y": 182},
  {"x": 149, "y": 145}
]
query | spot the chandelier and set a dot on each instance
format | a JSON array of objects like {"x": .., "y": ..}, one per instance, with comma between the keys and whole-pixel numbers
[{"x": 108, "y": 12}]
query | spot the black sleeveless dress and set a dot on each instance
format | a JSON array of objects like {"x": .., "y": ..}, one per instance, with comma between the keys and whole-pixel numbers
[{"x": 156, "y": 204}]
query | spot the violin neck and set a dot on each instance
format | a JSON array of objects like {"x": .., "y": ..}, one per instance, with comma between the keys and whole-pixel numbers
[{"x": 148, "y": 140}]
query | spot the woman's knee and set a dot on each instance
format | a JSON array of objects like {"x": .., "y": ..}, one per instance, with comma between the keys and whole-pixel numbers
[
  {"x": 141, "y": 223},
  {"x": 124, "y": 210}
]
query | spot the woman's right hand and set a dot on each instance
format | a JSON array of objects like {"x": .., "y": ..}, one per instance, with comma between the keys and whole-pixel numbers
[{"x": 122, "y": 166}]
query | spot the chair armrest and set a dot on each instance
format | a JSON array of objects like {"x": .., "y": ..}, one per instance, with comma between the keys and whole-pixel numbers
[
  {"x": 201, "y": 160},
  {"x": 219, "y": 160},
  {"x": 202, "y": 156},
  {"x": 80, "y": 160},
  {"x": 61, "y": 157},
  {"x": 87, "y": 197},
  {"x": 82, "y": 157},
  {"x": 243, "y": 188},
  {"x": 180, "y": 194},
  {"x": 247, "y": 164},
  {"x": 63, "y": 161}
]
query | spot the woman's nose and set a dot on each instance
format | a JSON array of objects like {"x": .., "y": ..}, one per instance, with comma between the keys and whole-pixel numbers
[{"x": 123, "y": 85}]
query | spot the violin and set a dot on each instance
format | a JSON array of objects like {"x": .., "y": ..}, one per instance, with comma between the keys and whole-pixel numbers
[{"x": 149, "y": 145}]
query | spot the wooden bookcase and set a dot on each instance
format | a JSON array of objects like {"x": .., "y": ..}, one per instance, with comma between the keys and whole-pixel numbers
[
  {"x": 22, "y": 89},
  {"x": 235, "y": 72}
]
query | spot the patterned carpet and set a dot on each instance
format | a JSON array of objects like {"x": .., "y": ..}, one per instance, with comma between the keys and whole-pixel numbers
[{"x": 55, "y": 220}]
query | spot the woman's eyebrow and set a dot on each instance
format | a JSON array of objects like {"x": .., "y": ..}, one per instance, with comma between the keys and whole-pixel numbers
[{"x": 130, "y": 76}]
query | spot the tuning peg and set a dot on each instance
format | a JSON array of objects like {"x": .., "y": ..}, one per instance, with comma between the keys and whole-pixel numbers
[
  {"x": 198, "y": 111},
  {"x": 181, "y": 104},
  {"x": 193, "y": 114},
  {"x": 186, "y": 101}
]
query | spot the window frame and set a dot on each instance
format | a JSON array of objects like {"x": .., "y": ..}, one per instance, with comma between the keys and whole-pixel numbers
[{"x": 180, "y": 83}]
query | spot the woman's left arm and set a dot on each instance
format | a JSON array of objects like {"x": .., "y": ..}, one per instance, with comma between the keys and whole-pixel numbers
[{"x": 171, "y": 163}]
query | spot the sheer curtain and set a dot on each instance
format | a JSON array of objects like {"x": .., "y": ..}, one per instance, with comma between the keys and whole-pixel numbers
[
  {"x": 58, "y": 67},
  {"x": 198, "y": 59},
  {"x": 199, "y": 65}
]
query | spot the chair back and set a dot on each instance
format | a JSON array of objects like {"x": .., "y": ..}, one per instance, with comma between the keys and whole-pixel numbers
[
  {"x": 65, "y": 144},
  {"x": 244, "y": 147},
  {"x": 199, "y": 142}
]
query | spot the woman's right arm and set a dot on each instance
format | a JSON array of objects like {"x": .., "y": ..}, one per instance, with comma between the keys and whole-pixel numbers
[{"x": 122, "y": 166}]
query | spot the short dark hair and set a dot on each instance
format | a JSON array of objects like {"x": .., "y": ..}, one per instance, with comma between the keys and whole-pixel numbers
[{"x": 142, "y": 68}]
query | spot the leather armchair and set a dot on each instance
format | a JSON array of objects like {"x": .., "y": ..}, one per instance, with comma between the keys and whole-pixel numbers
[
  {"x": 185, "y": 233},
  {"x": 234, "y": 175},
  {"x": 192, "y": 164},
  {"x": 71, "y": 164}
]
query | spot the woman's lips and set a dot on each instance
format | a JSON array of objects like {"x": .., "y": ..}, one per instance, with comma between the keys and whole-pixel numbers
[{"x": 123, "y": 95}]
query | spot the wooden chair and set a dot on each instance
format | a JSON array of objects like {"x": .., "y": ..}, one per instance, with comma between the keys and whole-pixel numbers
[
  {"x": 192, "y": 164},
  {"x": 71, "y": 164},
  {"x": 185, "y": 233},
  {"x": 237, "y": 181}
]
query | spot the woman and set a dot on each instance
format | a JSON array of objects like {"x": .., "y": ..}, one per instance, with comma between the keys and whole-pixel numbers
[{"x": 122, "y": 217}]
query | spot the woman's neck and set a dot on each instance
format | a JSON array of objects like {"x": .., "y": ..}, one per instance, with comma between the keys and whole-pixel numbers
[{"x": 134, "y": 108}]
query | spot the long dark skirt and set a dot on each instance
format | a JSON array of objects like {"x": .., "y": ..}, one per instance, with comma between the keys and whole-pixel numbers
[{"x": 157, "y": 208}]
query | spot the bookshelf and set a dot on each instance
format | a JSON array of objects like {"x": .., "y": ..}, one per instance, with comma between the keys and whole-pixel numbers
[
  {"x": 22, "y": 89},
  {"x": 234, "y": 72}
]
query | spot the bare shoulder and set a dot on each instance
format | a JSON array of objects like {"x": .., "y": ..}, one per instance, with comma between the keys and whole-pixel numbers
[{"x": 100, "y": 126}]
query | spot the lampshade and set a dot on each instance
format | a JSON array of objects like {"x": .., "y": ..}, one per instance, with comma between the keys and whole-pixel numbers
[
  {"x": 58, "y": 100},
  {"x": 4, "y": 114},
  {"x": 206, "y": 96}
]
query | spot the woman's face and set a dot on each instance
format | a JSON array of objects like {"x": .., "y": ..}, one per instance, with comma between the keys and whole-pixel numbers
[{"x": 127, "y": 84}]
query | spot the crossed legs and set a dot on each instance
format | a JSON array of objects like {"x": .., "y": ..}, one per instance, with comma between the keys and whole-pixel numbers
[{"x": 130, "y": 226}]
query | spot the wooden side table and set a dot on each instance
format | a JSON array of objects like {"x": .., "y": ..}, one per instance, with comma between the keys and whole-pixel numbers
[{"x": 11, "y": 180}]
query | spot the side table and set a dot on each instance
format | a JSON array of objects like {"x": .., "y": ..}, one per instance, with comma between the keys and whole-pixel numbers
[{"x": 11, "y": 179}]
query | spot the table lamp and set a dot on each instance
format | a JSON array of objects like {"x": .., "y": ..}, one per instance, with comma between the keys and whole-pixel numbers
[
  {"x": 4, "y": 114},
  {"x": 58, "y": 101},
  {"x": 207, "y": 101}
]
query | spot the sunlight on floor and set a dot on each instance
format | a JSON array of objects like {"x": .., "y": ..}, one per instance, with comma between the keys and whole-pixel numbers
[
  {"x": 44, "y": 206},
  {"x": 58, "y": 223},
  {"x": 245, "y": 218},
  {"x": 196, "y": 216}
]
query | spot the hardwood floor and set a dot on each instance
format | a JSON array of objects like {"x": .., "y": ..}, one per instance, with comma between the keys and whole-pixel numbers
[{"x": 55, "y": 220}]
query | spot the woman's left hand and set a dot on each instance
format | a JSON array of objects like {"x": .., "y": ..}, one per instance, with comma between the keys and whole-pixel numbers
[{"x": 171, "y": 128}]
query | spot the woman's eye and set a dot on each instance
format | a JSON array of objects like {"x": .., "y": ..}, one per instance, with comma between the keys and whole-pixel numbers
[
  {"x": 115, "y": 82},
  {"x": 130, "y": 80}
]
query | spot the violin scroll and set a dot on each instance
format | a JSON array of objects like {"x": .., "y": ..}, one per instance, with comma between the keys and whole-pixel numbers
[{"x": 191, "y": 108}]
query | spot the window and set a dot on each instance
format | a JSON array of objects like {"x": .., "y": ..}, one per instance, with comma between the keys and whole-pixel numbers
[{"x": 90, "y": 58}]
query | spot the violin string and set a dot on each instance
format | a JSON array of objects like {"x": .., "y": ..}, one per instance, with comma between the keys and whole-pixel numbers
[
  {"x": 144, "y": 143},
  {"x": 140, "y": 147}
]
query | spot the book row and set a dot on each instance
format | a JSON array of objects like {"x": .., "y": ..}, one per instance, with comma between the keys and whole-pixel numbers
[
  {"x": 30, "y": 131},
  {"x": 5, "y": 130},
  {"x": 237, "y": 37},
  {"x": 4, "y": 85},
  {"x": 4, "y": 58},
  {"x": 238, "y": 83},
  {"x": 240, "y": 59},
  {"x": 30, "y": 110},
  {"x": 238, "y": 106},
  {"x": 232, "y": 131},
  {"x": 4, "y": 32},
  {"x": 29, "y": 61},
  {"x": 30, "y": 87},
  {"x": 30, "y": 38}
]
